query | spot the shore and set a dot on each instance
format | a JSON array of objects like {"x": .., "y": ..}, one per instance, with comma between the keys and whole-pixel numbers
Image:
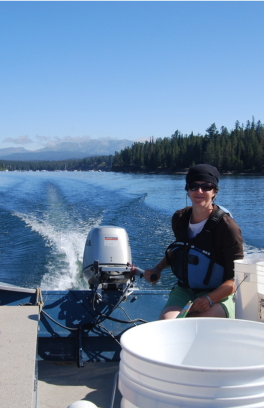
[{"x": 162, "y": 171}]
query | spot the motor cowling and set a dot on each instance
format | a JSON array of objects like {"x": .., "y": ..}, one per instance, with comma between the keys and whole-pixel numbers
[{"x": 107, "y": 257}]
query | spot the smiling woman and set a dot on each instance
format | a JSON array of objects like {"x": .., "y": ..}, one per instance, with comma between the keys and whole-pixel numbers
[
  {"x": 207, "y": 242},
  {"x": 202, "y": 192}
]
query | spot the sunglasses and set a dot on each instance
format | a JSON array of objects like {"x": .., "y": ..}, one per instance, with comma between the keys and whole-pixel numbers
[{"x": 204, "y": 186}]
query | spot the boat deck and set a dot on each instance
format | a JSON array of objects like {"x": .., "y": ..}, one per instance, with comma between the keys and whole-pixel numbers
[
  {"x": 18, "y": 342},
  {"x": 62, "y": 383}
]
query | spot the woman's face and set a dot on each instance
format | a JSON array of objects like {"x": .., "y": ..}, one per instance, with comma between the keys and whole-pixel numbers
[{"x": 201, "y": 198}]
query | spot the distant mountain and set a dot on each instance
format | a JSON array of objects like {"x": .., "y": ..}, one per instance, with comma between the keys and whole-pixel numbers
[
  {"x": 68, "y": 150},
  {"x": 11, "y": 150},
  {"x": 45, "y": 156}
]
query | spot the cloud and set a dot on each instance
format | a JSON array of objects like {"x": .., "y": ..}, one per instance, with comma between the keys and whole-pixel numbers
[
  {"x": 51, "y": 140},
  {"x": 76, "y": 139},
  {"x": 46, "y": 140},
  {"x": 43, "y": 138},
  {"x": 18, "y": 140}
]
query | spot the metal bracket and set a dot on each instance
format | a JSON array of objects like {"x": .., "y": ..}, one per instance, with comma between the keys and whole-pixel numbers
[
  {"x": 114, "y": 390},
  {"x": 79, "y": 348}
]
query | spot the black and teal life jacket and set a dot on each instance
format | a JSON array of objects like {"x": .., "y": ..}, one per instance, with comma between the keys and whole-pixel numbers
[{"x": 194, "y": 261}]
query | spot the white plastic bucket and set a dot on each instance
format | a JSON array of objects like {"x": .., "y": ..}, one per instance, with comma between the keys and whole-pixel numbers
[
  {"x": 82, "y": 404},
  {"x": 260, "y": 281},
  {"x": 200, "y": 362},
  {"x": 247, "y": 305},
  {"x": 260, "y": 277}
]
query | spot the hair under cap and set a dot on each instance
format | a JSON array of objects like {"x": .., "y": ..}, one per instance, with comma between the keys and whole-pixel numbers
[{"x": 203, "y": 172}]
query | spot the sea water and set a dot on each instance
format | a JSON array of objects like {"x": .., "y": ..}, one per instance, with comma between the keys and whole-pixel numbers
[{"x": 45, "y": 218}]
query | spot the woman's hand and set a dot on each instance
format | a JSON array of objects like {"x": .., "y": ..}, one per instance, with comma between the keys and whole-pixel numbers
[
  {"x": 200, "y": 305},
  {"x": 152, "y": 275}
]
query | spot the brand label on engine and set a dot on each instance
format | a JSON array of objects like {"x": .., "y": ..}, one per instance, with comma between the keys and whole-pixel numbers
[{"x": 111, "y": 241}]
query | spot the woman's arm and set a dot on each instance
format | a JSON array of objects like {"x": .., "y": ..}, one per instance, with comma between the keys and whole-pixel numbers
[{"x": 202, "y": 304}]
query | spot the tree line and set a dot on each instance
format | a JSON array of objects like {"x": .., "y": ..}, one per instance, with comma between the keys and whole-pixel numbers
[
  {"x": 88, "y": 163},
  {"x": 238, "y": 150}
]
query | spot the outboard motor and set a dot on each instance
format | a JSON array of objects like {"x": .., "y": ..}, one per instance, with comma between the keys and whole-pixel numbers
[{"x": 107, "y": 258}]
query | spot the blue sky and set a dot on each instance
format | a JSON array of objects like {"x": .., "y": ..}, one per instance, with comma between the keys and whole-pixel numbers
[{"x": 71, "y": 70}]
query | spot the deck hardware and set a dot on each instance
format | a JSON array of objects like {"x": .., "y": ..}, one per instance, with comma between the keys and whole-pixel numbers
[
  {"x": 79, "y": 348},
  {"x": 234, "y": 295},
  {"x": 114, "y": 390}
]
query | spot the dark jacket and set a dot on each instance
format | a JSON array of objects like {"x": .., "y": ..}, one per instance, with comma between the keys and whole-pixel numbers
[{"x": 227, "y": 240}]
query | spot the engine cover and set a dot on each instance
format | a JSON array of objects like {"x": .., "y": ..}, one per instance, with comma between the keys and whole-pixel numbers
[{"x": 106, "y": 246}]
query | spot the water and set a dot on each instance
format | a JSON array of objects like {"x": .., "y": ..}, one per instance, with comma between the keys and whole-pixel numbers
[{"x": 45, "y": 218}]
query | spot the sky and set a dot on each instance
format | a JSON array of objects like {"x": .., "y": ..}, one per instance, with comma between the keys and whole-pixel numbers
[{"x": 71, "y": 71}]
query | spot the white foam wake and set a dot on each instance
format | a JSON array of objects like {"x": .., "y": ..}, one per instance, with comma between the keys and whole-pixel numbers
[
  {"x": 253, "y": 253},
  {"x": 65, "y": 263}
]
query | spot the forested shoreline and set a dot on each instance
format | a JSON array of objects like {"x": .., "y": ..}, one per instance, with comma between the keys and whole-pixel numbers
[
  {"x": 240, "y": 150},
  {"x": 103, "y": 163}
]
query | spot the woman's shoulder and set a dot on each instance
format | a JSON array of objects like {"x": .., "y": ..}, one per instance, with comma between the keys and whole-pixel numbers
[
  {"x": 228, "y": 231},
  {"x": 184, "y": 212},
  {"x": 230, "y": 224},
  {"x": 179, "y": 217},
  {"x": 227, "y": 221}
]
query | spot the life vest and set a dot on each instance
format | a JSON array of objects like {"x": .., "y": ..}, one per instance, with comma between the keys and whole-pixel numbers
[{"x": 194, "y": 261}]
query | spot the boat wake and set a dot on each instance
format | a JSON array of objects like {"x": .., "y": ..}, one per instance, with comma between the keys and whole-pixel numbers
[
  {"x": 64, "y": 265},
  {"x": 253, "y": 253}
]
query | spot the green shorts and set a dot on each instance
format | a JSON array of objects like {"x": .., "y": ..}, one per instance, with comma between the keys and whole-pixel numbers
[{"x": 180, "y": 296}]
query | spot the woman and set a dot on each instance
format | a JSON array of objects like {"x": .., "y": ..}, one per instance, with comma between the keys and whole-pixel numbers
[{"x": 207, "y": 242}]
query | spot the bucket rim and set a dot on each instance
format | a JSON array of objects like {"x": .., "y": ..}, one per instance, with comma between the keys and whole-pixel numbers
[
  {"x": 249, "y": 260},
  {"x": 190, "y": 367}
]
